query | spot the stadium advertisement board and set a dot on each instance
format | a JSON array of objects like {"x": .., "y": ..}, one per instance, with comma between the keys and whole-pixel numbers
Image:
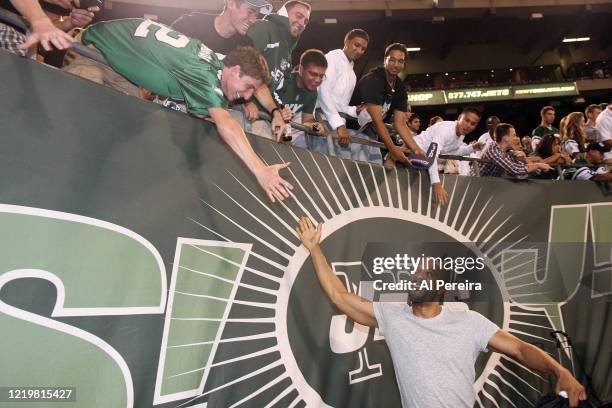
[{"x": 474, "y": 95}]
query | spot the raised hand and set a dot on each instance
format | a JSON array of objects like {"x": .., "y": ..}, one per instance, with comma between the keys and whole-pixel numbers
[{"x": 309, "y": 235}]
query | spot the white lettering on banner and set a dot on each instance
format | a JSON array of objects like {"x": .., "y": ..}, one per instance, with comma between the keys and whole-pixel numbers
[{"x": 342, "y": 342}]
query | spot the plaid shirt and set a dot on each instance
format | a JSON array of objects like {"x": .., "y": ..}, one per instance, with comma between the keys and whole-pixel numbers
[
  {"x": 10, "y": 39},
  {"x": 502, "y": 163}
]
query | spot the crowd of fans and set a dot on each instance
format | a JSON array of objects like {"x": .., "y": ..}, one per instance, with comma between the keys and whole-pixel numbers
[{"x": 203, "y": 64}]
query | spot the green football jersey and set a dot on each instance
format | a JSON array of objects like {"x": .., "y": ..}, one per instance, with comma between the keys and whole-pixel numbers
[
  {"x": 163, "y": 61},
  {"x": 299, "y": 99}
]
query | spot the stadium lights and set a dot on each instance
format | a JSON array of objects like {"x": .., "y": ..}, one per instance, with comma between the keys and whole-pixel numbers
[
  {"x": 413, "y": 49},
  {"x": 536, "y": 16},
  {"x": 330, "y": 21},
  {"x": 576, "y": 39}
]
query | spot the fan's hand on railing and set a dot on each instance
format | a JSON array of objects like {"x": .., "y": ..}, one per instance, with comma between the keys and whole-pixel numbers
[{"x": 49, "y": 36}]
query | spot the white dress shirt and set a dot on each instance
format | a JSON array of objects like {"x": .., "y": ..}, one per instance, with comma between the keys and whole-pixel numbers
[
  {"x": 445, "y": 135},
  {"x": 336, "y": 90},
  {"x": 485, "y": 139},
  {"x": 603, "y": 125}
]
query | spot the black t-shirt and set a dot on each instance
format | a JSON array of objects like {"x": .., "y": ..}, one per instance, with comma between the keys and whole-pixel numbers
[
  {"x": 373, "y": 88},
  {"x": 202, "y": 27}
]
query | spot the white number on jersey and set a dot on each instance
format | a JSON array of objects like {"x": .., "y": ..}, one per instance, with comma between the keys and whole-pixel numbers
[{"x": 162, "y": 34}]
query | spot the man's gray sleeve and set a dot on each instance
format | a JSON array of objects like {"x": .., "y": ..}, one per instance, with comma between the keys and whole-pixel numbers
[
  {"x": 379, "y": 315},
  {"x": 483, "y": 330}
]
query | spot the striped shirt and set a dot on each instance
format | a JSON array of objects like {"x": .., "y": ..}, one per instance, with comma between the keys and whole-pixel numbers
[
  {"x": 501, "y": 163},
  {"x": 10, "y": 40}
]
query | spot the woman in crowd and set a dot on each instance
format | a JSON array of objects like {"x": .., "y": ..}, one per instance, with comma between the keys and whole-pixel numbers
[
  {"x": 549, "y": 150},
  {"x": 572, "y": 134}
]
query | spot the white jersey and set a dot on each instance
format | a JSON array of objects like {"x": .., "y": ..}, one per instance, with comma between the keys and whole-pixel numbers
[{"x": 570, "y": 146}]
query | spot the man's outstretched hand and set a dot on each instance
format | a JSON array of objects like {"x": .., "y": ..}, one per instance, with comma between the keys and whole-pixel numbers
[
  {"x": 309, "y": 235},
  {"x": 440, "y": 194},
  {"x": 272, "y": 183},
  {"x": 575, "y": 391}
]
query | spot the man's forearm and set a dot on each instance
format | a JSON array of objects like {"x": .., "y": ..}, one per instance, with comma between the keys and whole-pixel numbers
[
  {"x": 602, "y": 177},
  {"x": 382, "y": 132},
  {"x": 30, "y": 9},
  {"x": 331, "y": 284},
  {"x": 232, "y": 134},
  {"x": 537, "y": 359},
  {"x": 405, "y": 134},
  {"x": 264, "y": 96}
]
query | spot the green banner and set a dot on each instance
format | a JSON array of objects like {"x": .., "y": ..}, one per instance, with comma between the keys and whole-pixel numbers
[
  {"x": 426, "y": 98},
  {"x": 545, "y": 90},
  {"x": 142, "y": 266},
  {"x": 478, "y": 94},
  {"x": 470, "y": 95}
]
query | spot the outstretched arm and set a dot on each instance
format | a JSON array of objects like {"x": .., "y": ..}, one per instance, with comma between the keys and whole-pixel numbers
[
  {"x": 230, "y": 131},
  {"x": 43, "y": 30},
  {"x": 355, "y": 307},
  {"x": 399, "y": 122},
  {"x": 395, "y": 152},
  {"x": 533, "y": 357}
]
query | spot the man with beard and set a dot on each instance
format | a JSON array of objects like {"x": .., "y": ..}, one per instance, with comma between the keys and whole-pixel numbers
[
  {"x": 383, "y": 94},
  {"x": 226, "y": 31},
  {"x": 276, "y": 37},
  {"x": 433, "y": 347},
  {"x": 335, "y": 92}
]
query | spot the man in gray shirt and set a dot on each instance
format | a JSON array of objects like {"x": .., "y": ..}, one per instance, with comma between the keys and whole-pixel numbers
[{"x": 433, "y": 348}]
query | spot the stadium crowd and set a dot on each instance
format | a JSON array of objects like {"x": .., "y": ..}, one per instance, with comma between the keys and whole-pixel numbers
[{"x": 203, "y": 64}]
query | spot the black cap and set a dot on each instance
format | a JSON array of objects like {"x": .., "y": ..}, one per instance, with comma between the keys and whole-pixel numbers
[{"x": 598, "y": 147}]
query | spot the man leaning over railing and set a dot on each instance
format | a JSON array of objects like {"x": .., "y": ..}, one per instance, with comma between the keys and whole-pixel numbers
[
  {"x": 169, "y": 64},
  {"x": 503, "y": 163},
  {"x": 448, "y": 135},
  {"x": 383, "y": 94}
]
